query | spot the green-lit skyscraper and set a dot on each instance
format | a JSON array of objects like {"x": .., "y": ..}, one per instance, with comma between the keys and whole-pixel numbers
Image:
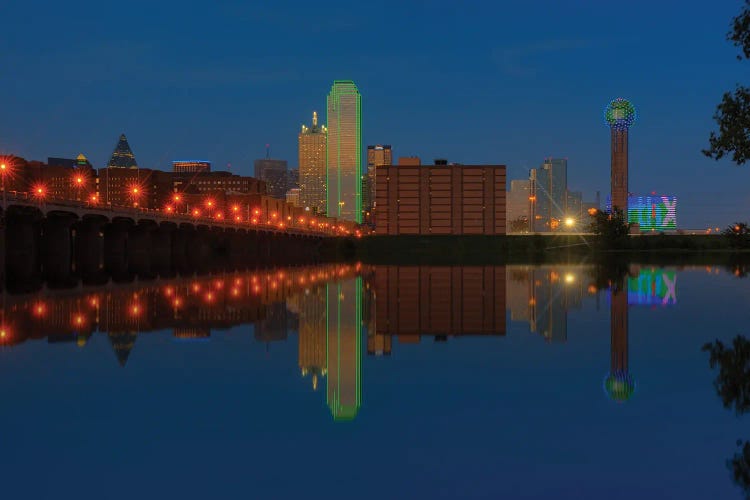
[{"x": 344, "y": 152}]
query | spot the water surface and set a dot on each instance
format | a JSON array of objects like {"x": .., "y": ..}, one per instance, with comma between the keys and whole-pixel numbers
[{"x": 355, "y": 381}]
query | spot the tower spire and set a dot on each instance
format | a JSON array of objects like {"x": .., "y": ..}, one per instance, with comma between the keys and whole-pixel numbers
[{"x": 315, "y": 119}]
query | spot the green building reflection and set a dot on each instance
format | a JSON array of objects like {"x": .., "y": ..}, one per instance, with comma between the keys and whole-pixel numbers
[{"x": 343, "y": 348}]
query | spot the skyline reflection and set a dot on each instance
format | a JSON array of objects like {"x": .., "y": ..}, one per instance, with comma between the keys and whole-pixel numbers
[{"x": 334, "y": 309}]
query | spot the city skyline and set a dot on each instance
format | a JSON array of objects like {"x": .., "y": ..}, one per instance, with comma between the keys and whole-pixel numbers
[{"x": 263, "y": 92}]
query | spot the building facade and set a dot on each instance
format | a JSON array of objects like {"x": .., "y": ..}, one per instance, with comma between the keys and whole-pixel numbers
[
  {"x": 312, "y": 166},
  {"x": 344, "y": 152},
  {"x": 274, "y": 174},
  {"x": 518, "y": 206},
  {"x": 191, "y": 166},
  {"x": 444, "y": 199},
  {"x": 550, "y": 194},
  {"x": 377, "y": 155}
]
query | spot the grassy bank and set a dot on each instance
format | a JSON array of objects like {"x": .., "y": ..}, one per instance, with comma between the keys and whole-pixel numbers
[{"x": 668, "y": 249}]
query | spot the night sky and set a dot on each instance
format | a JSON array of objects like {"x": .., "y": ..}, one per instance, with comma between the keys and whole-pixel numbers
[{"x": 473, "y": 82}]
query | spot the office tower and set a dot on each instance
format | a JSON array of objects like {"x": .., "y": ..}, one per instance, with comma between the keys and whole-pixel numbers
[
  {"x": 377, "y": 155},
  {"x": 549, "y": 194},
  {"x": 619, "y": 115},
  {"x": 344, "y": 152},
  {"x": 274, "y": 174},
  {"x": 344, "y": 350},
  {"x": 191, "y": 166},
  {"x": 312, "y": 165},
  {"x": 122, "y": 156},
  {"x": 518, "y": 206}
]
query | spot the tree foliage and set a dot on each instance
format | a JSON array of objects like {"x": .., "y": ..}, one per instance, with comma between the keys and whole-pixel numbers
[
  {"x": 738, "y": 235},
  {"x": 733, "y": 113},
  {"x": 612, "y": 229}
]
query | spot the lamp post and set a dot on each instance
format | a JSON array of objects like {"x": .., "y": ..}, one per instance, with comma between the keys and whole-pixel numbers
[{"x": 3, "y": 173}]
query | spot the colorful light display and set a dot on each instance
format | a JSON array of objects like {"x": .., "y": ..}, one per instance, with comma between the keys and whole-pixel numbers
[
  {"x": 653, "y": 213},
  {"x": 653, "y": 287},
  {"x": 619, "y": 114}
]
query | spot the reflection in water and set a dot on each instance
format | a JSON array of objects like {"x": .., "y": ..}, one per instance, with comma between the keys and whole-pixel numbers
[
  {"x": 732, "y": 384},
  {"x": 333, "y": 307}
]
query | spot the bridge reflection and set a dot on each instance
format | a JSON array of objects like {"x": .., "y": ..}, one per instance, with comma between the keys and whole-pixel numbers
[{"x": 334, "y": 309}]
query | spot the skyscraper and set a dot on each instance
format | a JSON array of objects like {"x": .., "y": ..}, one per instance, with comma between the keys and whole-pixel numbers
[
  {"x": 619, "y": 115},
  {"x": 122, "y": 156},
  {"x": 312, "y": 165},
  {"x": 550, "y": 194},
  {"x": 376, "y": 156},
  {"x": 344, "y": 152},
  {"x": 518, "y": 206},
  {"x": 275, "y": 175}
]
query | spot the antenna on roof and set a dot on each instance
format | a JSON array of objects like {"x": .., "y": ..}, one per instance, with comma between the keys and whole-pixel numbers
[{"x": 268, "y": 151}]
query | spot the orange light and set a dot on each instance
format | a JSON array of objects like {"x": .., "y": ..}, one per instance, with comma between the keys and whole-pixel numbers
[
  {"x": 219, "y": 215},
  {"x": 209, "y": 203},
  {"x": 254, "y": 220},
  {"x": 274, "y": 215},
  {"x": 169, "y": 208},
  {"x": 196, "y": 212},
  {"x": 235, "y": 208},
  {"x": 176, "y": 198},
  {"x": 256, "y": 212}
]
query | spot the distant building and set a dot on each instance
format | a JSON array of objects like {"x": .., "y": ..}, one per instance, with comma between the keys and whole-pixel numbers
[
  {"x": 412, "y": 161},
  {"x": 549, "y": 190},
  {"x": 312, "y": 165},
  {"x": 377, "y": 156},
  {"x": 293, "y": 197},
  {"x": 292, "y": 178},
  {"x": 518, "y": 206},
  {"x": 441, "y": 199},
  {"x": 344, "y": 154},
  {"x": 189, "y": 166},
  {"x": 122, "y": 156},
  {"x": 274, "y": 174}
]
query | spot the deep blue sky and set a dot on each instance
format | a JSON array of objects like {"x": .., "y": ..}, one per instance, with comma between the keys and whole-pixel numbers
[{"x": 474, "y": 82}]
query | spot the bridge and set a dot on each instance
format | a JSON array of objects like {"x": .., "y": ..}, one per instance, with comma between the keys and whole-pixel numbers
[{"x": 62, "y": 241}]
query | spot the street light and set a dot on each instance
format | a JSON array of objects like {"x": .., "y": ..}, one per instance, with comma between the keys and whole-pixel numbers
[{"x": 4, "y": 169}]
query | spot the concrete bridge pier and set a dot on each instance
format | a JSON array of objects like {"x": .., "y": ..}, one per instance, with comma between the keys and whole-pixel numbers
[
  {"x": 140, "y": 249},
  {"x": 22, "y": 238},
  {"x": 89, "y": 249},
  {"x": 220, "y": 248},
  {"x": 161, "y": 243},
  {"x": 200, "y": 252},
  {"x": 57, "y": 249},
  {"x": 116, "y": 249},
  {"x": 183, "y": 238}
]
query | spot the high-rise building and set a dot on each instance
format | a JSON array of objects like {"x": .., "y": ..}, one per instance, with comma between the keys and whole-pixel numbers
[
  {"x": 312, "y": 334},
  {"x": 191, "y": 166},
  {"x": 312, "y": 166},
  {"x": 274, "y": 174},
  {"x": 344, "y": 152},
  {"x": 550, "y": 194},
  {"x": 619, "y": 115},
  {"x": 518, "y": 206},
  {"x": 122, "y": 156},
  {"x": 377, "y": 155}
]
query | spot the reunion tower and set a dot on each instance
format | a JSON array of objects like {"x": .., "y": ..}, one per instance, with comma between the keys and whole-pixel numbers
[{"x": 620, "y": 115}]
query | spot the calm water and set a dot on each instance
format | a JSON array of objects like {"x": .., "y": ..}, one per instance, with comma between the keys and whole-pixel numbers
[{"x": 346, "y": 381}]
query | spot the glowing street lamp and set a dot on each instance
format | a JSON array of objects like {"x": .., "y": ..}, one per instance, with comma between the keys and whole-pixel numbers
[
  {"x": 135, "y": 192},
  {"x": 570, "y": 222},
  {"x": 4, "y": 171}
]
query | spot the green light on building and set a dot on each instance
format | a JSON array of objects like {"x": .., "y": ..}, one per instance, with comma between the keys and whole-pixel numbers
[{"x": 344, "y": 152}]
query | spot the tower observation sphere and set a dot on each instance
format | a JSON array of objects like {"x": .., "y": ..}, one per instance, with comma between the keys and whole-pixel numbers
[{"x": 620, "y": 114}]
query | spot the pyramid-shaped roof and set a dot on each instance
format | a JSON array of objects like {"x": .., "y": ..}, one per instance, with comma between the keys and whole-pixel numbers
[
  {"x": 122, "y": 156},
  {"x": 122, "y": 343}
]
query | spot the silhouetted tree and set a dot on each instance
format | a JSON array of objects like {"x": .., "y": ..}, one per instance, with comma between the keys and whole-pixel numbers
[
  {"x": 733, "y": 113},
  {"x": 738, "y": 235},
  {"x": 612, "y": 229}
]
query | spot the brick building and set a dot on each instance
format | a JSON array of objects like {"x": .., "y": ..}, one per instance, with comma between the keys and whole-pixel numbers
[{"x": 440, "y": 199}]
